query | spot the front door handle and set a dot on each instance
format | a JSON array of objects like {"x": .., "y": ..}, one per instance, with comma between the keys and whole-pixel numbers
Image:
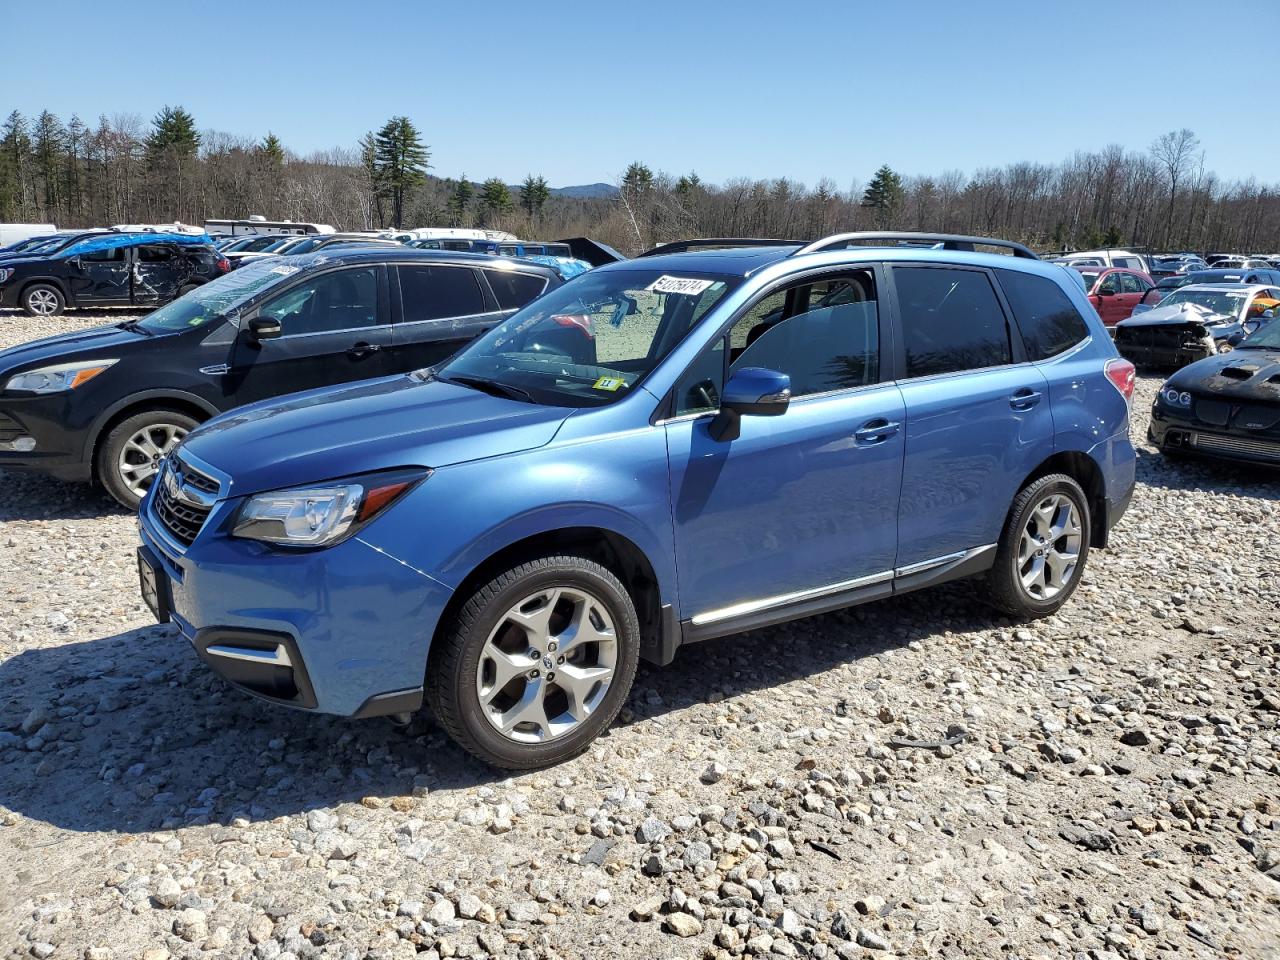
[
  {"x": 1024, "y": 399},
  {"x": 875, "y": 431},
  {"x": 362, "y": 349}
]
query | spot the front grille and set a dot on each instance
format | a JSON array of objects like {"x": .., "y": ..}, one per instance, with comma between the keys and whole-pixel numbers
[
  {"x": 1260, "y": 449},
  {"x": 182, "y": 516}
]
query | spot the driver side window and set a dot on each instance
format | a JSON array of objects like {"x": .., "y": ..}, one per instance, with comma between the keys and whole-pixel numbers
[
  {"x": 823, "y": 333},
  {"x": 339, "y": 300}
]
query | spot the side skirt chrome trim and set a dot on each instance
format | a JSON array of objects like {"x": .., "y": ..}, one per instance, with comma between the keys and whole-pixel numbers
[{"x": 781, "y": 600}]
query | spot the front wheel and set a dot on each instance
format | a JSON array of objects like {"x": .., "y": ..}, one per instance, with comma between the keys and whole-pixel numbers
[
  {"x": 130, "y": 454},
  {"x": 536, "y": 663},
  {"x": 43, "y": 300},
  {"x": 1043, "y": 549}
]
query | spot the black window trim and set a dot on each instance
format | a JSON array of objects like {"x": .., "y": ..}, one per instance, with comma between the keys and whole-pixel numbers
[
  {"x": 664, "y": 412},
  {"x": 1017, "y": 349}
]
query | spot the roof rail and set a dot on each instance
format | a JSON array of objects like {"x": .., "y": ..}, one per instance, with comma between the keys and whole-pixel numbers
[
  {"x": 680, "y": 246},
  {"x": 946, "y": 241}
]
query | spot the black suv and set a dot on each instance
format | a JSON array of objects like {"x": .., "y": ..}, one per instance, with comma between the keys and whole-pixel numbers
[
  {"x": 110, "y": 270},
  {"x": 108, "y": 403}
]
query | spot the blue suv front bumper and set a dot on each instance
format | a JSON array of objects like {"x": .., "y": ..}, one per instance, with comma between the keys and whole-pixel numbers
[{"x": 271, "y": 622}]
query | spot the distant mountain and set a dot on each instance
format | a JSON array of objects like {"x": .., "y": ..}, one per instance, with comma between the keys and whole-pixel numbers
[{"x": 587, "y": 190}]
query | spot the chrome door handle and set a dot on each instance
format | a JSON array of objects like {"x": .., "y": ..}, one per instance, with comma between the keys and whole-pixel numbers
[
  {"x": 876, "y": 431},
  {"x": 362, "y": 349},
  {"x": 1024, "y": 399}
]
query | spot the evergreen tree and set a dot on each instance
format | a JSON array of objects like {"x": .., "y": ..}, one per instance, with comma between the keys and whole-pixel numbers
[
  {"x": 401, "y": 159},
  {"x": 49, "y": 142},
  {"x": 637, "y": 180},
  {"x": 688, "y": 184},
  {"x": 272, "y": 150},
  {"x": 77, "y": 141},
  {"x": 15, "y": 147},
  {"x": 495, "y": 197},
  {"x": 1111, "y": 238},
  {"x": 460, "y": 200},
  {"x": 533, "y": 194},
  {"x": 884, "y": 194},
  {"x": 173, "y": 135},
  {"x": 373, "y": 178}
]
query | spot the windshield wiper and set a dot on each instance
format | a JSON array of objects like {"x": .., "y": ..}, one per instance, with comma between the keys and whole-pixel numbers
[
  {"x": 491, "y": 387},
  {"x": 134, "y": 325}
]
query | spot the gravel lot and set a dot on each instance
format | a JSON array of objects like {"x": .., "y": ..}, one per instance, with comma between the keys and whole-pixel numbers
[{"x": 1114, "y": 791}]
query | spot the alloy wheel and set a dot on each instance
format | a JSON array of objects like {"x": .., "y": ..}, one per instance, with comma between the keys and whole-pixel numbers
[
  {"x": 1049, "y": 550},
  {"x": 547, "y": 665},
  {"x": 142, "y": 453},
  {"x": 42, "y": 302}
]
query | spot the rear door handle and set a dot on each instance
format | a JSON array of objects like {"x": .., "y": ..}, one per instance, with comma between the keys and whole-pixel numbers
[
  {"x": 876, "y": 431},
  {"x": 1024, "y": 399},
  {"x": 362, "y": 349}
]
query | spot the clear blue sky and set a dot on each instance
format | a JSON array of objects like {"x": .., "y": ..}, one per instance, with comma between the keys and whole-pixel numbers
[{"x": 576, "y": 90}]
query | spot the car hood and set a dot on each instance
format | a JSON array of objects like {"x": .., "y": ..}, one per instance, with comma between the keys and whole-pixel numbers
[
  {"x": 1178, "y": 313},
  {"x": 1239, "y": 375},
  {"x": 106, "y": 341},
  {"x": 373, "y": 425}
]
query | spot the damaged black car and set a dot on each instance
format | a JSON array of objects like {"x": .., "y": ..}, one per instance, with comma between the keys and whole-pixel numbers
[
  {"x": 1225, "y": 407},
  {"x": 1194, "y": 322},
  {"x": 110, "y": 270}
]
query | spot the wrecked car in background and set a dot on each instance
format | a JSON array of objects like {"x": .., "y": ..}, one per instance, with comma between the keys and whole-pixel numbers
[
  {"x": 1226, "y": 407},
  {"x": 110, "y": 270},
  {"x": 1194, "y": 322}
]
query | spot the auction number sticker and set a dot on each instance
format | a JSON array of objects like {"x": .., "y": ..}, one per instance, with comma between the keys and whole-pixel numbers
[
  {"x": 609, "y": 383},
  {"x": 689, "y": 285}
]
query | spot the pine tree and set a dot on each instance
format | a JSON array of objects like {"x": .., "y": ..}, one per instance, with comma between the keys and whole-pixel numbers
[
  {"x": 173, "y": 135},
  {"x": 533, "y": 194},
  {"x": 272, "y": 151},
  {"x": 495, "y": 197},
  {"x": 77, "y": 139},
  {"x": 637, "y": 180},
  {"x": 15, "y": 147},
  {"x": 460, "y": 201},
  {"x": 49, "y": 143},
  {"x": 401, "y": 160},
  {"x": 1111, "y": 238},
  {"x": 884, "y": 195}
]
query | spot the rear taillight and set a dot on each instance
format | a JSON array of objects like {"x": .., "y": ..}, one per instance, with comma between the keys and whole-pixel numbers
[
  {"x": 580, "y": 320},
  {"x": 1122, "y": 375},
  {"x": 224, "y": 265}
]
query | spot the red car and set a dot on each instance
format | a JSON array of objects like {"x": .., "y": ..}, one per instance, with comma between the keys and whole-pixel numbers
[{"x": 1114, "y": 291}]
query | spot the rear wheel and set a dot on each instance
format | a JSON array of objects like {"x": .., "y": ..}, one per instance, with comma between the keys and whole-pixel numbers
[
  {"x": 1043, "y": 549},
  {"x": 536, "y": 663},
  {"x": 43, "y": 300},
  {"x": 187, "y": 288},
  {"x": 130, "y": 454}
]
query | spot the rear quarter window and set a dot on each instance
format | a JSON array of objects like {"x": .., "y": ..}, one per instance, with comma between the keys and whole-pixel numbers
[
  {"x": 1048, "y": 319},
  {"x": 514, "y": 290}
]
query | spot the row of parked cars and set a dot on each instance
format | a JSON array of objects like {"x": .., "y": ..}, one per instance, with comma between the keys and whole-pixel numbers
[{"x": 706, "y": 439}]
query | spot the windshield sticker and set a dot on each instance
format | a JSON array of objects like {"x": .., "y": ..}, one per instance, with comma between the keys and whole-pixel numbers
[
  {"x": 609, "y": 383},
  {"x": 687, "y": 285}
]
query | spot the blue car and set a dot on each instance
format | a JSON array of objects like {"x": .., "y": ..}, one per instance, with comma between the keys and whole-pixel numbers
[{"x": 665, "y": 450}]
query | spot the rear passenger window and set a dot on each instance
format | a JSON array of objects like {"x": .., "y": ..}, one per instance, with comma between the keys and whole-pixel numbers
[
  {"x": 114, "y": 255},
  {"x": 148, "y": 254},
  {"x": 514, "y": 290},
  {"x": 1049, "y": 321},
  {"x": 951, "y": 320},
  {"x": 434, "y": 292}
]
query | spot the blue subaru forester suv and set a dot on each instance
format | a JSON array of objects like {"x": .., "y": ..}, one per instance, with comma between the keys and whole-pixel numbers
[{"x": 702, "y": 440}]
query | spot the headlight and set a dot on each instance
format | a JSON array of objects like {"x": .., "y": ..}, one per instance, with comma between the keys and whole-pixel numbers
[
  {"x": 5, "y": 273},
  {"x": 55, "y": 379},
  {"x": 1175, "y": 397},
  {"x": 324, "y": 514}
]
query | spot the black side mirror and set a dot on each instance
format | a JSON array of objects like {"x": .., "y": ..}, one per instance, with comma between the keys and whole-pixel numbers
[
  {"x": 1104, "y": 292},
  {"x": 751, "y": 391},
  {"x": 264, "y": 328}
]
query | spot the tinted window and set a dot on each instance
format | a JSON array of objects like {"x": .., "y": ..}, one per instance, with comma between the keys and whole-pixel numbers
[
  {"x": 433, "y": 292},
  {"x": 1049, "y": 322},
  {"x": 951, "y": 321},
  {"x": 340, "y": 300},
  {"x": 154, "y": 254},
  {"x": 114, "y": 255},
  {"x": 514, "y": 290}
]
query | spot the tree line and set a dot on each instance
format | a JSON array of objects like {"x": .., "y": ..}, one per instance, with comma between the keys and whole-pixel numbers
[{"x": 124, "y": 169}]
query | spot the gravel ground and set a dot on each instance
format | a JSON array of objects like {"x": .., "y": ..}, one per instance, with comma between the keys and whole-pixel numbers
[{"x": 1112, "y": 791}]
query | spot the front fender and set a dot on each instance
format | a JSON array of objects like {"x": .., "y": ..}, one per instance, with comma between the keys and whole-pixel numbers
[{"x": 466, "y": 513}]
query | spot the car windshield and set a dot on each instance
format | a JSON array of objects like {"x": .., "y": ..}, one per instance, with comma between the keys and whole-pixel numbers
[
  {"x": 1090, "y": 278},
  {"x": 1227, "y": 302},
  {"x": 591, "y": 341},
  {"x": 212, "y": 300}
]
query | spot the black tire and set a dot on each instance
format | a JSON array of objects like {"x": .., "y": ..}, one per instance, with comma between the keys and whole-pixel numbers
[
  {"x": 112, "y": 445},
  {"x": 187, "y": 288},
  {"x": 1005, "y": 587},
  {"x": 43, "y": 300},
  {"x": 451, "y": 681}
]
